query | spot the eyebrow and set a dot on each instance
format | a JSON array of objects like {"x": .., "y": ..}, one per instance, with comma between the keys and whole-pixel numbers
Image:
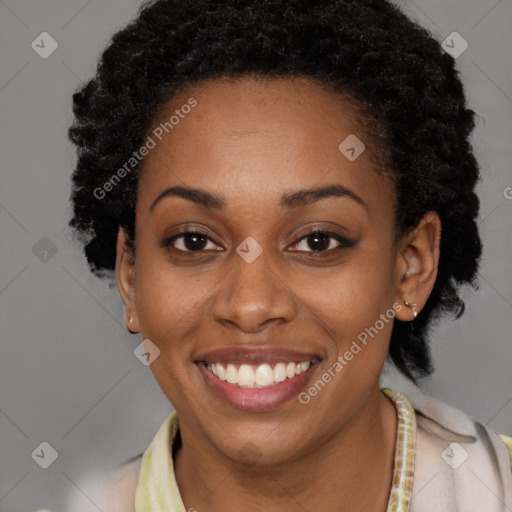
[{"x": 297, "y": 199}]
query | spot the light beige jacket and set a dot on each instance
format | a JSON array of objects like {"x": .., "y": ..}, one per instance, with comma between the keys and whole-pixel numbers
[{"x": 461, "y": 465}]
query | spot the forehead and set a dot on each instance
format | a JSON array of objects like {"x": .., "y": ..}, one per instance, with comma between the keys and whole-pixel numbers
[{"x": 263, "y": 136}]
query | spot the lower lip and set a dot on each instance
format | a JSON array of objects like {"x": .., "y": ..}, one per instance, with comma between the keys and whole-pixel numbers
[{"x": 256, "y": 399}]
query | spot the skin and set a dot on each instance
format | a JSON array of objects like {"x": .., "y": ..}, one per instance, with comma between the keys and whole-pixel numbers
[{"x": 250, "y": 142}]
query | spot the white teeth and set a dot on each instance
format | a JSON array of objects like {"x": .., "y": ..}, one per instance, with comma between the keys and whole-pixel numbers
[
  {"x": 280, "y": 372},
  {"x": 303, "y": 366},
  {"x": 246, "y": 376},
  {"x": 264, "y": 375},
  {"x": 231, "y": 374},
  {"x": 221, "y": 372},
  {"x": 261, "y": 376}
]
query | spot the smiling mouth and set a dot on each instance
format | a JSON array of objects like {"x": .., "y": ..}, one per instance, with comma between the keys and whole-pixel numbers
[{"x": 257, "y": 376}]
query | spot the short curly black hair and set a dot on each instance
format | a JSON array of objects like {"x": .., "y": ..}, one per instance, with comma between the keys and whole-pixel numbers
[{"x": 391, "y": 67}]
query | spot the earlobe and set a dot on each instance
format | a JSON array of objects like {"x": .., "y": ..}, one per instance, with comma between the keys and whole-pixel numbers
[
  {"x": 125, "y": 281},
  {"x": 417, "y": 266}
]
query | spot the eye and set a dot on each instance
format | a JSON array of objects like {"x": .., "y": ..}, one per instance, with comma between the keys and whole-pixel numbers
[
  {"x": 322, "y": 241},
  {"x": 190, "y": 241},
  {"x": 193, "y": 240}
]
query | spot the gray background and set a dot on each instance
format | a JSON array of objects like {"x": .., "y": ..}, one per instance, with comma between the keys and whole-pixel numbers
[{"x": 68, "y": 375}]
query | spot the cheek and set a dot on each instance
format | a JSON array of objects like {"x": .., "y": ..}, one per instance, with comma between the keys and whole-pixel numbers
[
  {"x": 355, "y": 308},
  {"x": 168, "y": 309},
  {"x": 164, "y": 293}
]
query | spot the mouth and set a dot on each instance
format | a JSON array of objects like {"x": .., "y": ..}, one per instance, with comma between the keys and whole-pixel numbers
[
  {"x": 257, "y": 376},
  {"x": 256, "y": 380}
]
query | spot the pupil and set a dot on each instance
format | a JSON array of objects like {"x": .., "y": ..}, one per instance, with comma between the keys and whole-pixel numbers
[
  {"x": 321, "y": 241},
  {"x": 194, "y": 238}
]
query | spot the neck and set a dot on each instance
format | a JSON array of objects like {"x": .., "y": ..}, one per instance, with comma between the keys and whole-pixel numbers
[{"x": 352, "y": 471}]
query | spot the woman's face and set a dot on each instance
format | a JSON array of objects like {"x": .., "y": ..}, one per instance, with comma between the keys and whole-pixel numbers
[{"x": 255, "y": 289}]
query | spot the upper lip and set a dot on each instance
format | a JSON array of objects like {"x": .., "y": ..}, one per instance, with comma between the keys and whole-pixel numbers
[{"x": 260, "y": 355}]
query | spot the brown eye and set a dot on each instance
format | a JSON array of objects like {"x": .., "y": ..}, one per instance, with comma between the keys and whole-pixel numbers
[
  {"x": 322, "y": 241},
  {"x": 189, "y": 241}
]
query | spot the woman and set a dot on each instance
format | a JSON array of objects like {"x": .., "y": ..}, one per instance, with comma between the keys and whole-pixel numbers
[{"x": 285, "y": 191}]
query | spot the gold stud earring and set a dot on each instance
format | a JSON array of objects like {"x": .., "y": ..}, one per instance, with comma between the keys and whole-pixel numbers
[
  {"x": 412, "y": 305},
  {"x": 130, "y": 321}
]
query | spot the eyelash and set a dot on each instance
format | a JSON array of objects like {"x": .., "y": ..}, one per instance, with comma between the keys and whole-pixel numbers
[{"x": 344, "y": 242}]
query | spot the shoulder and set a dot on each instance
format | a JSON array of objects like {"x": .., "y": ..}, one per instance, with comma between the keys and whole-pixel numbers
[
  {"x": 119, "y": 486},
  {"x": 118, "y": 492},
  {"x": 459, "y": 461},
  {"x": 105, "y": 489}
]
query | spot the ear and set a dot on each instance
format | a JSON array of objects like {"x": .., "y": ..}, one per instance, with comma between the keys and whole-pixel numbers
[
  {"x": 417, "y": 264},
  {"x": 125, "y": 280}
]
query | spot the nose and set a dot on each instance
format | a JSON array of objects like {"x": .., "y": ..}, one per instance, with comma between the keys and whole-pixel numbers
[{"x": 253, "y": 295}]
